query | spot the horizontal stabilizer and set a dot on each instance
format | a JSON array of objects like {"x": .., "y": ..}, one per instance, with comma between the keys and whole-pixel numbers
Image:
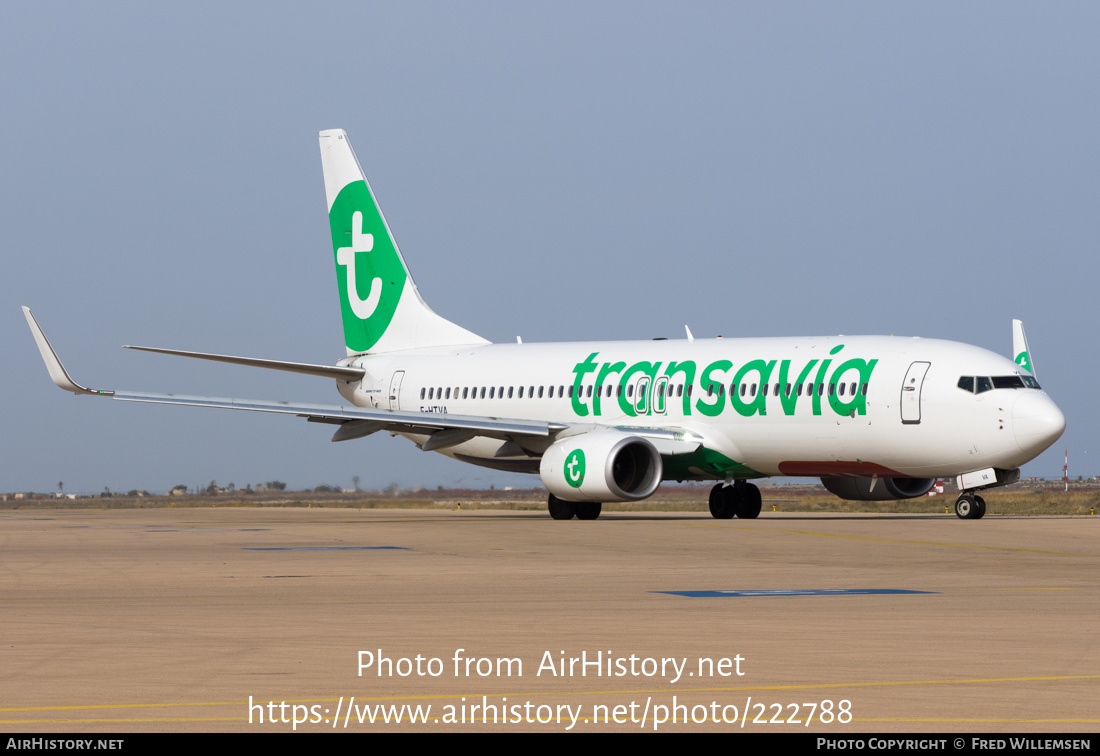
[{"x": 325, "y": 371}]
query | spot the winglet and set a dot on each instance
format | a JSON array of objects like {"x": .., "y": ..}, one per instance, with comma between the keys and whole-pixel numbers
[
  {"x": 1021, "y": 354},
  {"x": 58, "y": 374}
]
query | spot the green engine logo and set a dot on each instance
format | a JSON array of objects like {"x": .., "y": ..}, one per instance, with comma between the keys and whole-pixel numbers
[{"x": 574, "y": 468}]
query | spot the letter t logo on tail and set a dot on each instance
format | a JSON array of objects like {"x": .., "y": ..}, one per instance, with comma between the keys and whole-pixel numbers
[
  {"x": 368, "y": 266},
  {"x": 360, "y": 242}
]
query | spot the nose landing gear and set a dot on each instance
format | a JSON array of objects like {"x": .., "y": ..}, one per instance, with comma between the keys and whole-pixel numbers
[{"x": 969, "y": 506}]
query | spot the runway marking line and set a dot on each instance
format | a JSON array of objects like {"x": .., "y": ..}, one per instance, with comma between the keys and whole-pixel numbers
[
  {"x": 794, "y": 592},
  {"x": 902, "y": 540},
  {"x": 324, "y": 548},
  {"x": 207, "y": 530}
]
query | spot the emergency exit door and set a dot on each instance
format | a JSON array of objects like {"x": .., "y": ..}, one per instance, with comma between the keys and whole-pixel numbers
[{"x": 911, "y": 391}]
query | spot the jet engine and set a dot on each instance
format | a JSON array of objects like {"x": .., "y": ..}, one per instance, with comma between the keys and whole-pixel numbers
[
  {"x": 602, "y": 465},
  {"x": 884, "y": 489}
]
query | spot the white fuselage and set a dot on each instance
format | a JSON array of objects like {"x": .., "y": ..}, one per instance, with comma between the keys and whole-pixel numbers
[{"x": 868, "y": 405}]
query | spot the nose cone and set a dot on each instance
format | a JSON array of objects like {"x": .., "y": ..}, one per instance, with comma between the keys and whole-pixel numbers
[{"x": 1036, "y": 421}]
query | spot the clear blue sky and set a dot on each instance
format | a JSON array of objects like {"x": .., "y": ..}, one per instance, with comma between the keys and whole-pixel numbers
[{"x": 556, "y": 170}]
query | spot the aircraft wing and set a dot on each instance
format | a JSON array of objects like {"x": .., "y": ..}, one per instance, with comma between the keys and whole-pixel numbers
[
  {"x": 366, "y": 420},
  {"x": 355, "y": 422}
]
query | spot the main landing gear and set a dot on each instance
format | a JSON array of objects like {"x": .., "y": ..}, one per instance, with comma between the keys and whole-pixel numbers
[
  {"x": 740, "y": 499},
  {"x": 560, "y": 509},
  {"x": 969, "y": 506}
]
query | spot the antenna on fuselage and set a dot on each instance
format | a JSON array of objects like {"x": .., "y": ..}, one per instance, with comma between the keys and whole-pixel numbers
[{"x": 691, "y": 339}]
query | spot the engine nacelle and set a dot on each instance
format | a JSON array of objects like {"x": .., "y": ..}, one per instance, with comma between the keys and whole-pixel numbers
[
  {"x": 603, "y": 465},
  {"x": 885, "y": 489}
]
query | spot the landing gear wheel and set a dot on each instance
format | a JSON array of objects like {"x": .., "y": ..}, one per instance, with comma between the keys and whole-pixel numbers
[
  {"x": 749, "y": 503},
  {"x": 560, "y": 509},
  {"x": 723, "y": 505},
  {"x": 967, "y": 507},
  {"x": 588, "y": 510},
  {"x": 981, "y": 507}
]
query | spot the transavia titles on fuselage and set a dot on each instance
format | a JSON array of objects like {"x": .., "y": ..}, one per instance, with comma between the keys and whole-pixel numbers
[{"x": 874, "y": 417}]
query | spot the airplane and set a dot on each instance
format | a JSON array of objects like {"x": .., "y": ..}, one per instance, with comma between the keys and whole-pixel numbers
[{"x": 874, "y": 417}]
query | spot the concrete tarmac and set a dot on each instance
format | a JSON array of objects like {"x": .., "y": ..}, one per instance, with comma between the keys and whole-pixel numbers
[{"x": 175, "y": 619}]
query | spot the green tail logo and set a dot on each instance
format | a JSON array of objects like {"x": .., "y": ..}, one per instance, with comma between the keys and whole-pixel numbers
[
  {"x": 369, "y": 272},
  {"x": 1024, "y": 361}
]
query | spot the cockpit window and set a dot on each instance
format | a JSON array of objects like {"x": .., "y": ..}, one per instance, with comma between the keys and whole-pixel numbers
[{"x": 981, "y": 384}]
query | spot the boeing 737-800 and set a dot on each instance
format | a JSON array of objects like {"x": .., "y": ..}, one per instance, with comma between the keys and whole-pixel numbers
[{"x": 875, "y": 417}]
